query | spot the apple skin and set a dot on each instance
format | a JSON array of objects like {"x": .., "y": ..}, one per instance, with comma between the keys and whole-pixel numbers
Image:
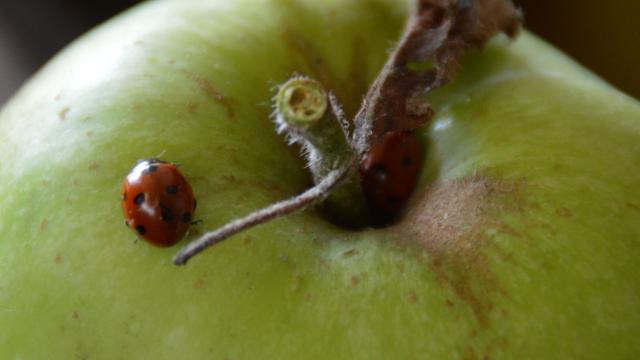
[{"x": 520, "y": 242}]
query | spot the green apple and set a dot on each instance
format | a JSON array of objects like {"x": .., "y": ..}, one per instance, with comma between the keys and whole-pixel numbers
[{"x": 522, "y": 240}]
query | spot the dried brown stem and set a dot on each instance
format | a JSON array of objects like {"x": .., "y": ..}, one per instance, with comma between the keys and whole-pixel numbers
[{"x": 436, "y": 36}]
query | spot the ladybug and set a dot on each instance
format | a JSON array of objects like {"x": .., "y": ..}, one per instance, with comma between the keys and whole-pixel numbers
[
  {"x": 389, "y": 172},
  {"x": 157, "y": 202}
]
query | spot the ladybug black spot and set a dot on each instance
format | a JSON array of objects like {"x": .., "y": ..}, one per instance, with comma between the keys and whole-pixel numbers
[
  {"x": 171, "y": 189},
  {"x": 406, "y": 161},
  {"x": 141, "y": 230},
  {"x": 166, "y": 213},
  {"x": 393, "y": 200},
  {"x": 379, "y": 168},
  {"x": 186, "y": 217},
  {"x": 139, "y": 199}
]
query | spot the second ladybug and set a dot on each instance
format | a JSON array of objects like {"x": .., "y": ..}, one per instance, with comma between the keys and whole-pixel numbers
[
  {"x": 389, "y": 174},
  {"x": 158, "y": 202}
]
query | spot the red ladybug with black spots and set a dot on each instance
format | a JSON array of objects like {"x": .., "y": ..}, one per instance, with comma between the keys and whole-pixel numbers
[
  {"x": 389, "y": 173},
  {"x": 158, "y": 202}
]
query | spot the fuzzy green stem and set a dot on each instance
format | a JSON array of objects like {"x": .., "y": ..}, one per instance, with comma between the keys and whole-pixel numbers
[
  {"x": 301, "y": 101},
  {"x": 311, "y": 117}
]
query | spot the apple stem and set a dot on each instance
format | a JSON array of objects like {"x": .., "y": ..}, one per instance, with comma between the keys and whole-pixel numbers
[
  {"x": 438, "y": 33},
  {"x": 313, "y": 118},
  {"x": 309, "y": 197}
]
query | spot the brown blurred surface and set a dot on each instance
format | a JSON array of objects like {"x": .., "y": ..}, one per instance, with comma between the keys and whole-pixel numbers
[{"x": 602, "y": 35}]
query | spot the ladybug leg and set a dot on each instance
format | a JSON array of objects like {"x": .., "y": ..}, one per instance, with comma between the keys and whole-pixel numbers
[{"x": 197, "y": 222}]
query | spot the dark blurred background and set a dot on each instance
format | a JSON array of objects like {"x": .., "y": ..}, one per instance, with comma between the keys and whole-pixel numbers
[{"x": 604, "y": 36}]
